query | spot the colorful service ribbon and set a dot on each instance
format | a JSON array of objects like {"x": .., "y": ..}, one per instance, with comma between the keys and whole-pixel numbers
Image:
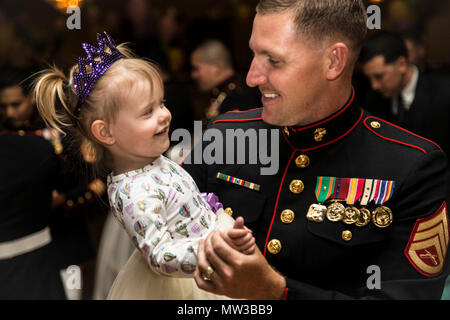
[
  {"x": 354, "y": 189},
  {"x": 384, "y": 191},
  {"x": 324, "y": 188},
  {"x": 239, "y": 182}
]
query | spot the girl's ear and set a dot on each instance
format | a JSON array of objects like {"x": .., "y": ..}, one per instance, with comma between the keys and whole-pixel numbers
[{"x": 101, "y": 131}]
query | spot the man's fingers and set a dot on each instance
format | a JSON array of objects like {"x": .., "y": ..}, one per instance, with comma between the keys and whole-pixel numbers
[{"x": 250, "y": 250}]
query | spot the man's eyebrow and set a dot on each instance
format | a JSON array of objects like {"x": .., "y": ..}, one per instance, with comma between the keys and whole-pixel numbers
[{"x": 262, "y": 52}]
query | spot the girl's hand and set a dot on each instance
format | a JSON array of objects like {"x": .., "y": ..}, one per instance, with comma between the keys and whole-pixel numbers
[{"x": 241, "y": 237}]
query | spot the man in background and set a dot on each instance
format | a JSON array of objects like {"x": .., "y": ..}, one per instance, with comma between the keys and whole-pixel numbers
[{"x": 212, "y": 69}]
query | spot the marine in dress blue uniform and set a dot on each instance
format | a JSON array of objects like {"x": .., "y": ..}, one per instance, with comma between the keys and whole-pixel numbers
[{"x": 407, "y": 236}]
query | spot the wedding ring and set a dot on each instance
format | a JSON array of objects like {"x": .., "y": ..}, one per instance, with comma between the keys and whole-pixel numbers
[{"x": 208, "y": 273}]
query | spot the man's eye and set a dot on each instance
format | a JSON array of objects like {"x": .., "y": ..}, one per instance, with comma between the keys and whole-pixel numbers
[{"x": 273, "y": 61}]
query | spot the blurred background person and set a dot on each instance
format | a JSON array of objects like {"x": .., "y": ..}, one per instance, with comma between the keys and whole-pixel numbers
[
  {"x": 212, "y": 69},
  {"x": 30, "y": 172},
  {"x": 419, "y": 102},
  {"x": 417, "y": 49},
  {"x": 73, "y": 194}
]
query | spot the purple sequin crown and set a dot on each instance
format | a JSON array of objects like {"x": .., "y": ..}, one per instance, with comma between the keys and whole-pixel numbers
[{"x": 92, "y": 67}]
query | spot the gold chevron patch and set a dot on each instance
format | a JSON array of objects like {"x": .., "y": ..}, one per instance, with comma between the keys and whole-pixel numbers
[{"x": 428, "y": 243}]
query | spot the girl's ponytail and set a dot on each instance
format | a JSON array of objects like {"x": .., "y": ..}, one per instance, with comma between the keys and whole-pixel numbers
[{"x": 55, "y": 99}]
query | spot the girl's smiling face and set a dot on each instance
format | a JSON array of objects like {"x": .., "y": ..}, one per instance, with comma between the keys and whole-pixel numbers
[{"x": 140, "y": 129}]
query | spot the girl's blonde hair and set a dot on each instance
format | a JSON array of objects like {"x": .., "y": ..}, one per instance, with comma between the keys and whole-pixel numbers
[{"x": 57, "y": 101}]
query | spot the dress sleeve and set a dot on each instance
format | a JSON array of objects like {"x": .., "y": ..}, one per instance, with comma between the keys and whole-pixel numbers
[{"x": 167, "y": 248}]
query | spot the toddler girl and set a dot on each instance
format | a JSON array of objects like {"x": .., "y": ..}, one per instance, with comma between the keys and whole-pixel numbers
[{"x": 115, "y": 102}]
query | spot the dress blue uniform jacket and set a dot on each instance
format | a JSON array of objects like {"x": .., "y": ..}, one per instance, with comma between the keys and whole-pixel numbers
[{"x": 334, "y": 260}]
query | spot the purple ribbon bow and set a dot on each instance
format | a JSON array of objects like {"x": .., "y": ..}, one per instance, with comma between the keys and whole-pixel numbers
[{"x": 212, "y": 200}]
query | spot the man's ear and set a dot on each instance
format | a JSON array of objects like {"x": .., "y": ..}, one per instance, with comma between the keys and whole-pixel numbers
[
  {"x": 32, "y": 98},
  {"x": 101, "y": 131},
  {"x": 338, "y": 58},
  {"x": 402, "y": 64}
]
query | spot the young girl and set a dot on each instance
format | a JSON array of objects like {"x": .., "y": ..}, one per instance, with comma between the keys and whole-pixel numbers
[{"x": 115, "y": 102}]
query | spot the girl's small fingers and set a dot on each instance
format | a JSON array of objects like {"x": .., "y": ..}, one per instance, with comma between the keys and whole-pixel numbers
[{"x": 237, "y": 233}]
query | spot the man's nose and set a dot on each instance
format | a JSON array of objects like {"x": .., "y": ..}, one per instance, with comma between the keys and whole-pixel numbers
[
  {"x": 375, "y": 84},
  {"x": 9, "y": 112},
  {"x": 255, "y": 76}
]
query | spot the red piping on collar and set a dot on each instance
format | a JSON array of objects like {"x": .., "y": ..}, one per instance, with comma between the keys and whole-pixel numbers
[
  {"x": 406, "y": 144},
  {"x": 276, "y": 203},
  {"x": 237, "y": 120},
  {"x": 285, "y": 293},
  {"x": 327, "y": 119},
  {"x": 243, "y": 110},
  {"x": 329, "y": 142}
]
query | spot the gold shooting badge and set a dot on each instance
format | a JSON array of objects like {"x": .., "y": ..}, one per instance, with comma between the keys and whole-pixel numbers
[
  {"x": 364, "y": 218},
  {"x": 351, "y": 215},
  {"x": 316, "y": 212},
  {"x": 382, "y": 217},
  {"x": 324, "y": 189},
  {"x": 335, "y": 211},
  {"x": 427, "y": 246}
]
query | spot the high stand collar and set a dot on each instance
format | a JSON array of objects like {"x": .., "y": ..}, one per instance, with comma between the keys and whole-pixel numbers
[{"x": 326, "y": 131}]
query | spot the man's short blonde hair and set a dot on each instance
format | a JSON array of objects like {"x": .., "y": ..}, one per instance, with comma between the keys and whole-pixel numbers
[{"x": 322, "y": 19}]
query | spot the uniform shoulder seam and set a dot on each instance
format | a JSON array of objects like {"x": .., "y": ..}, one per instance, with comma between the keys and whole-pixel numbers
[{"x": 403, "y": 130}]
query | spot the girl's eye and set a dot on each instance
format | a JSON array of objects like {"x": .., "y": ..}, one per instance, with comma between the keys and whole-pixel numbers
[{"x": 149, "y": 111}]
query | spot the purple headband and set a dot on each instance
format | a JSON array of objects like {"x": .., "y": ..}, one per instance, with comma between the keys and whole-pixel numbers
[{"x": 98, "y": 60}]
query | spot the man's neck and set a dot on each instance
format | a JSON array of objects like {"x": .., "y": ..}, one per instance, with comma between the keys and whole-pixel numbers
[
  {"x": 408, "y": 77},
  {"x": 224, "y": 76},
  {"x": 337, "y": 96}
]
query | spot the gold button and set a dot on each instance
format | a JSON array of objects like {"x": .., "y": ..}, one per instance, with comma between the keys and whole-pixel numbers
[
  {"x": 274, "y": 246},
  {"x": 80, "y": 200},
  {"x": 287, "y": 216},
  {"x": 319, "y": 134},
  {"x": 69, "y": 203},
  {"x": 228, "y": 211},
  {"x": 231, "y": 86},
  {"x": 346, "y": 235},
  {"x": 21, "y": 133},
  {"x": 375, "y": 124},
  {"x": 296, "y": 186},
  {"x": 302, "y": 161},
  {"x": 88, "y": 195}
]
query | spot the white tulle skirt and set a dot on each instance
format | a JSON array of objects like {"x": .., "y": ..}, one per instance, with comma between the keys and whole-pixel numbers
[{"x": 136, "y": 281}]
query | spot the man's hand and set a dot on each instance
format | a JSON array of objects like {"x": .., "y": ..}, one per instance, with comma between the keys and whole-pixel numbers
[{"x": 236, "y": 275}]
